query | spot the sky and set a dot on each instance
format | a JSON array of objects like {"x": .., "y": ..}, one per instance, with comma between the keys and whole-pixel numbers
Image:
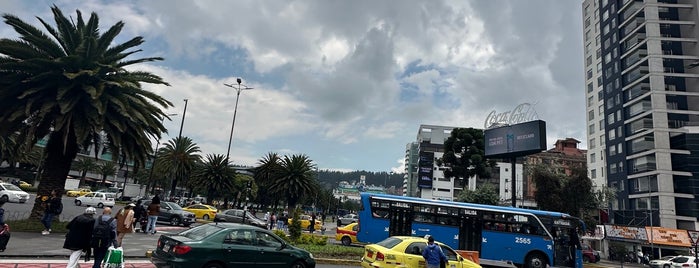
[{"x": 348, "y": 83}]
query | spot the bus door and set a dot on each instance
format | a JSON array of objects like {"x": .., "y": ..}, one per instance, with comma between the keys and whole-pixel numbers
[
  {"x": 401, "y": 218},
  {"x": 470, "y": 230}
]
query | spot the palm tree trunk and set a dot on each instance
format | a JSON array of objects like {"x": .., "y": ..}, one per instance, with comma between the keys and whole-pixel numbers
[
  {"x": 56, "y": 167},
  {"x": 82, "y": 177}
]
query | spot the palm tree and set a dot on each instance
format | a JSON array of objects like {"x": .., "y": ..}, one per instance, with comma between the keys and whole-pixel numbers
[
  {"x": 264, "y": 174},
  {"x": 296, "y": 178},
  {"x": 215, "y": 176},
  {"x": 71, "y": 85},
  {"x": 84, "y": 165},
  {"x": 179, "y": 157},
  {"x": 107, "y": 168}
]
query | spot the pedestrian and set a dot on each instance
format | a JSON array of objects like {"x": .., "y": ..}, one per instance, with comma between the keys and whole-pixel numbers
[
  {"x": 312, "y": 225},
  {"x": 138, "y": 212},
  {"x": 639, "y": 256},
  {"x": 100, "y": 247},
  {"x": 153, "y": 212},
  {"x": 272, "y": 220},
  {"x": 79, "y": 236},
  {"x": 4, "y": 228},
  {"x": 280, "y": 221},
  {"x": 433, "y": 254},
  {"x": 266, "y": 217},
  {"x": 52, "y": 208},
  {"x": 124, "y": 219}
]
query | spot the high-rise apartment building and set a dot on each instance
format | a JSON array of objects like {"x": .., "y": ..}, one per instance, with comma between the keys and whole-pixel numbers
[{"x": 642, "y": 104}]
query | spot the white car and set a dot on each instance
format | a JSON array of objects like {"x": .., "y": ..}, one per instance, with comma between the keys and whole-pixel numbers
[
  {"x": 683, "y": 262},
  {"x": 97, "y": 199},
  {"x": 664, "y": 262},
  {"x": 11, "y": 193}
]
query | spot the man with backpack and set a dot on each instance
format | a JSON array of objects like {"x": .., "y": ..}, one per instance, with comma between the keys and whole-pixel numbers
[
  {"x": 103, "y": 236},
  {"x": 53, "y": 207}
]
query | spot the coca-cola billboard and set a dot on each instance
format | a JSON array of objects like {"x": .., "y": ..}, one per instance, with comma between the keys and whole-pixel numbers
[{"x": 515, "y": 140}]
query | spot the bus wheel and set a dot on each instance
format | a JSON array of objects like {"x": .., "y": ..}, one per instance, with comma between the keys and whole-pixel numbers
[{"x": 535, "y": 260}]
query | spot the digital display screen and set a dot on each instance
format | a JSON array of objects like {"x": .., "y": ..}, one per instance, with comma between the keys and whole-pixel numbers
[{"x": 515, "y": 140}]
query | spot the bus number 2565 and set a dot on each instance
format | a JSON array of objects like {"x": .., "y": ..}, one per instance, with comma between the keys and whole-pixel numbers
[{"x": 523, "y": 240}]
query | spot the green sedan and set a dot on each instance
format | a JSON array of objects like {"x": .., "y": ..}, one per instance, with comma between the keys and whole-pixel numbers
[{"x": 221, "y": 245}]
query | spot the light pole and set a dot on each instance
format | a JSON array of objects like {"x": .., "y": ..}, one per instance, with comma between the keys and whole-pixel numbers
[
  {"x": 240, "y": 88},
  {"x": 155, "y": 153},
  {"x": 183, "y": 115}
]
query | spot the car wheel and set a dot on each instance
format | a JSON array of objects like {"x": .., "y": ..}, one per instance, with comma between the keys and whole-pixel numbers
[
  {"x": 346, "y": 241},
  {"x": 5, "y": 198},
  {"x": 535, "y": 261},
  {"x": 212, "y": 265},
  {"x": 206, "y": 217},
  {"x": 586, "y": 259},
  {"x": 78, "y": 203},
  {"x": 100, "y": 205},
  {"x": 298, "y": 264},
  {"x": 666, "y": 266},
  {"x": 175, "y": 221}
]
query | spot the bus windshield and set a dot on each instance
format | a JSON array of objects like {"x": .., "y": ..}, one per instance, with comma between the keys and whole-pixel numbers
[{"x": 532, "y": 238}]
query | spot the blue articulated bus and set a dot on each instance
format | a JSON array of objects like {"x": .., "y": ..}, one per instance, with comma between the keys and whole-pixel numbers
[{"x": 526, "y": 237}]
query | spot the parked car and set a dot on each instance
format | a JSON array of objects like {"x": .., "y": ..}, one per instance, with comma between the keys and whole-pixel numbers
[
  {"x": 24, "y": 184},
  {"x": 347, "y": 234},
  {"x": 172, "y": 213},
  {"x": 407, "y": 250},
  {"x": 306, "y": 221},
  {"x": 78, "y": 192},
  {"x": 216, "y": 245},
  {"x": 683, "y": 262},
  {"x": 590, "y": 254},
  {"x": 11, "y": 193},
  {"x": 664, "y": 262},
  {"x": 347, "y": 219},
  {"x": 236, "y": 215},
  {"x": 201, "y": 211},
  {"x": 96, "y": 199}
]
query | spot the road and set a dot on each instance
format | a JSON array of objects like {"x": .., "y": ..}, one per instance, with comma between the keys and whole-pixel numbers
[{"x": 16, "y": 211}]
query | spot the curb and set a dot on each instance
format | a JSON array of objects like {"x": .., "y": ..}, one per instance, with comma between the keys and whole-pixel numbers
[{"x": 131, "y": 259}]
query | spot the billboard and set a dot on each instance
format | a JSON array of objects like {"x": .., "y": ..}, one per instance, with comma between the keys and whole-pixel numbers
[
  {"x": 424, "y": 173},
  {"x": 515, "y": 140}
]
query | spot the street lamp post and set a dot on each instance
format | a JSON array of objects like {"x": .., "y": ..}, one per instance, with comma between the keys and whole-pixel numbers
[
  {"x": 155, "y": 154},
  {"x": 238, "y": 89},
  {"x": 183, "y": 115}
]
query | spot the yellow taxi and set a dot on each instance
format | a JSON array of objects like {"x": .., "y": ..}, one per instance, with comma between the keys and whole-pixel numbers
[
  {"x": 202, "y": 211},
  {"x": 347, "y": 234},
  {"x": 78, "y": 192},
  {"x": 24, "y": 184},
  {"x": 306, "y": 221},
  {"x": 406, "y": 251}
]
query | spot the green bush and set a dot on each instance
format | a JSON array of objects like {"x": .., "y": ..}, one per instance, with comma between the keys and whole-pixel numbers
[
  {"x": 29, "y": 189},
  {"x": 35, "y": 226},
  {"x": 295, "y": 226},
  {"x": 283, "y": 235},
  {"x": 332, "y": 251},
  {"x": 309, "y": 239}
]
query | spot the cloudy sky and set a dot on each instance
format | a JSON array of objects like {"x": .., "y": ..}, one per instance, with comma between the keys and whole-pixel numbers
[{"x": 348, "y": 83}]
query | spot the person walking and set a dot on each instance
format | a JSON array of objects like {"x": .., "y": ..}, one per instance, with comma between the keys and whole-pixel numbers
[
  {"x": 153, "y": 212},
  {"x": 124, "y": 219},
  {"x": 52, "y": 208},
  {"x": 138, "y": 212},
  {"x": 312, "y": 225},
  {"x": 433, "y": 254},
  {"x": 79, "y": 236},
  {"x": 4, "y": 228},
  {"x": 100, "y": 248}
]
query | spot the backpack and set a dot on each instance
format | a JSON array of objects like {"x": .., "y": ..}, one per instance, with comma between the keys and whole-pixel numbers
[
  {"x": 102, "y": 233},
  {"x": 58, "y": 209}
]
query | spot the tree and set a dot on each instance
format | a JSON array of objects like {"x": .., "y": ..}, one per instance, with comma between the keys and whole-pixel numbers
[
  {"x": 555, "y": 191},
  {"x": 484, "y": 194},
  {"x": 548, "y": 188},
  {"x": 178, "y": 156},
  {"x": 296, "y": 179},
  {"x": 107, "y": 168},
  {"x": 265, "y": 173},
  {"x": 464, "y": 154},
  {"x": 71, "y": 85},
  {"x": 84, "y": 165},
  {"x": 215, "y": 176}
]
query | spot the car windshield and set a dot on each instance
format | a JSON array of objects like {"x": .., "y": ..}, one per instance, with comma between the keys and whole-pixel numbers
[
  {"x": 389, "y": 242},
  {"x": 201, "y": 232},
  {"x": 11, "y": 187},
  {"x": 174, "y": 206}
]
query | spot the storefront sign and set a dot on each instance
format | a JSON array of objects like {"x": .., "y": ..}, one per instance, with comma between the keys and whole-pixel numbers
[
  {"x": 598, "y": 233},
  {"x": 670, "y": 237},
  {"x": 522, "y": 113},
  {"x": 625, "y": 232}
]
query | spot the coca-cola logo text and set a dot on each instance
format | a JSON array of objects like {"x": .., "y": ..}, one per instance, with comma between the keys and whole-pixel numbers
[{"x": 522, "y": 113}]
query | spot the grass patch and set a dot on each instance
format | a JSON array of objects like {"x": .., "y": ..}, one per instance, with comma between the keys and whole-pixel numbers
[
  {"x": 334, "y": 251},
  {"x": 35, "y": 226}
]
